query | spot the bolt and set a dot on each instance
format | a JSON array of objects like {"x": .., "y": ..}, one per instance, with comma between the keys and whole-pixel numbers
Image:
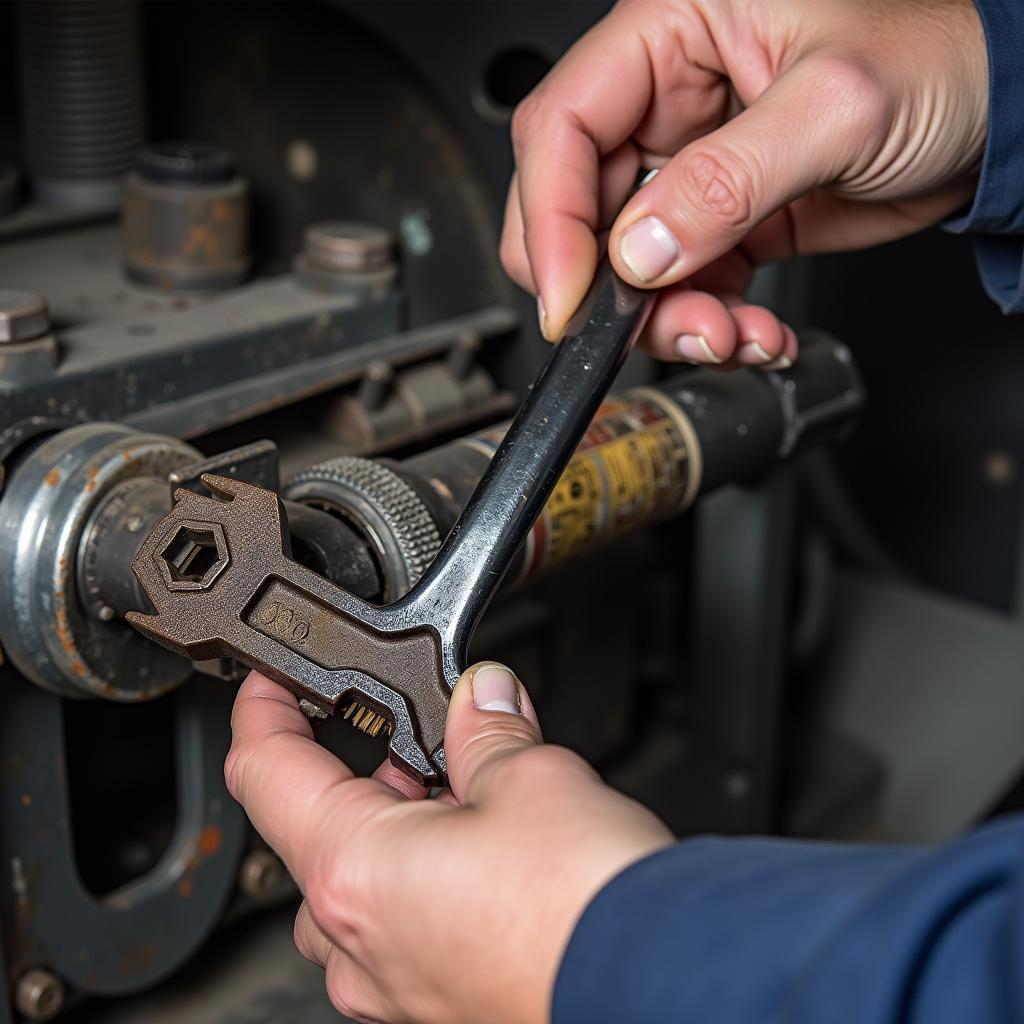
[
  {"x": 106, "y": 613},
  {"x": 133, "y": 523},
  {"x": 24, "y": 315},
  {"x": 347, "y": 246},
  {"x": 39, "y": 995},
  {"x": 262, "y": 875}
]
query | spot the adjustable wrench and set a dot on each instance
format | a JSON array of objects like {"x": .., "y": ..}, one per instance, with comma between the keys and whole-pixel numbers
[{"x": 219, "y": 574}]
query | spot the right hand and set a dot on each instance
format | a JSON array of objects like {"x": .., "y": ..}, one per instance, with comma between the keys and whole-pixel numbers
[{"x": 781, "y": 127}]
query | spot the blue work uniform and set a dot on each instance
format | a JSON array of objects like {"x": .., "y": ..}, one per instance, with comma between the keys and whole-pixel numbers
[{"x": 763, "y": 931}]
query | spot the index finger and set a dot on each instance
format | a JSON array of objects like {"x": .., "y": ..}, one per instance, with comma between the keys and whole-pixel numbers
[
  {"x": 586, "y": 108},
  {"x": 287, "y": 783}
]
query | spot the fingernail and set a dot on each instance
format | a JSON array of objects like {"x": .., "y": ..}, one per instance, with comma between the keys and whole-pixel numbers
[
  {"x": 753, "y": 354},
  {"x": 696, "y": 349},
  {"x": 648, "y": 248},
  {"x": 782, "y": 363},
  {"x": 542, "y": 317},
  {"x": 494, "y": 689}
]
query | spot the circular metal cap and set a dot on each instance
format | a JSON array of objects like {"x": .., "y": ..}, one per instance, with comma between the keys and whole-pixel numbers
[
  {"x": 348, "y": 245},
  {"x": 382, "y": 507},
  {"x": 23, "y": 315},
  {"x": 186, "y": 163}
]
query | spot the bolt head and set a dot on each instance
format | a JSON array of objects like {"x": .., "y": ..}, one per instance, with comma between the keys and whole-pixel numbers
[
  {"x": 39, "y": 995},
  {"x": 347, "y": 245},
  {"x": 24, "y": 315}
]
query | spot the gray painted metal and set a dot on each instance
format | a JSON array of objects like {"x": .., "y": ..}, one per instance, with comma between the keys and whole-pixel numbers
[{"x": 148, "y": 927}]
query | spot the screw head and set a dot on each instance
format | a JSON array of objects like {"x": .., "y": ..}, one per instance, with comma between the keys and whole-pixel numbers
[
  {"x": 24, "y": 315},
  {"x": 39, "y": 995}
]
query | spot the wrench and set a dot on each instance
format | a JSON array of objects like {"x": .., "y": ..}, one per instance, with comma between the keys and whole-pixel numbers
[{"x": 219, "y": 574}]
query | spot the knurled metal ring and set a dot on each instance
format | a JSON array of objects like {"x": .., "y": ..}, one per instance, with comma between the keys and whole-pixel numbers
[{"x": 382, "y": 507}]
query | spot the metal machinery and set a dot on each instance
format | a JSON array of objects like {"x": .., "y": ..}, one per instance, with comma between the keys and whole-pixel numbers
[{"x": 233, "y": 222}]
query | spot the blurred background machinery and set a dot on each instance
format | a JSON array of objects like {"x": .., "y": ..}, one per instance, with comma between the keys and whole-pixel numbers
[{"x": 261, "y": 238}]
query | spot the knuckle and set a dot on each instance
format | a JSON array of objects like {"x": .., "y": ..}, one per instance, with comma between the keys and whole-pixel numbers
[
  {"x": 721, "y": 187},
  {"x": 525, "y": 118},
  {"x": 495, "y": 738},
  {"x": 234, "y": 771},
  {"x": 331, "y": 894},
  {"x": 331, "y": 906},
  {"x": 851, "y": 94}
]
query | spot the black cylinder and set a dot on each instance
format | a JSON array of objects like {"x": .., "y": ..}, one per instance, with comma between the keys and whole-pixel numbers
[
  {"x": 81, "y": 97},
  {"x": 649, "y": 453}
]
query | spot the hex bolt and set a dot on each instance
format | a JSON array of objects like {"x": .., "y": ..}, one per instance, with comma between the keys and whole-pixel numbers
[
  {"x": 262, "y": 875},
  {"x": 24, "y": 315},
  {"x": 39, "y": 995}
]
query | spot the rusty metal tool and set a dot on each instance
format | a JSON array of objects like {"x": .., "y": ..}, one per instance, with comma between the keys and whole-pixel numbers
[{"x": 218, "y": 572}]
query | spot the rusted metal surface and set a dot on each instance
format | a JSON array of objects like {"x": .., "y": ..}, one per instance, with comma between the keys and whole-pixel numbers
[
  {"x": 186, "y": 219},
  {"x": 399, "y": 663}
]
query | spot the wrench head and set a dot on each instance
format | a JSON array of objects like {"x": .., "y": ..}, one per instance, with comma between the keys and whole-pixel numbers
[{"x": 218, "y": 572}]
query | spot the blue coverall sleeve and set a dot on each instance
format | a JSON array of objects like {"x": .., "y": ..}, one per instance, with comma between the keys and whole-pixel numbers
[
  {"x": 718, "y": 931},
  {"x": 996, "y": 218}
]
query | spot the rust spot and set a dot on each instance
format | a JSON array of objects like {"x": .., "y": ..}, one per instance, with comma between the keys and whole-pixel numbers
[
  {"x": 67, "y": 640},
  {"x": 208, "y": 843},
  {"x": 201, "y": 242},
  {"x": 90, "y": 481},
  {"x": 210, "y": 839},
  {"x": 222, "y": 212},
  {"x": 53, "y": 477},
  {"x": 26, "y": 799}
]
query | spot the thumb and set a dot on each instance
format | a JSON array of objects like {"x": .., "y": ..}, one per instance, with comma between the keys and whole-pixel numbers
[
  {"x": 813, "y": 125},
  {"x": 490, "y": 718}
]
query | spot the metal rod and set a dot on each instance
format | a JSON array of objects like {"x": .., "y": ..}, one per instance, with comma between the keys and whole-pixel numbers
[{"x": 530, "y": 459}]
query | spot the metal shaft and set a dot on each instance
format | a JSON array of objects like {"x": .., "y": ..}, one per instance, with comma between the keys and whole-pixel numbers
[{"x": 455, "y": 591}]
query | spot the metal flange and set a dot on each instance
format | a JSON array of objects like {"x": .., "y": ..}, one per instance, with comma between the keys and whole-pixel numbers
[{"x": 50, "y": 503}]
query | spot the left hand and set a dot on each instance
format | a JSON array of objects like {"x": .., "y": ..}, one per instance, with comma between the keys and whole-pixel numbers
[{"x": 454, "y": 910}]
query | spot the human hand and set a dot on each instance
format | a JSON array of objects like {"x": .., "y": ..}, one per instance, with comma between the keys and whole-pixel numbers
[
  {"x": 454, "y": 910},
  {"x": 781, "y": 127}
]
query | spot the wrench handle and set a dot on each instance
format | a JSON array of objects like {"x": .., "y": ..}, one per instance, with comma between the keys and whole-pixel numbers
[{"x": 456, "y": 589}]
